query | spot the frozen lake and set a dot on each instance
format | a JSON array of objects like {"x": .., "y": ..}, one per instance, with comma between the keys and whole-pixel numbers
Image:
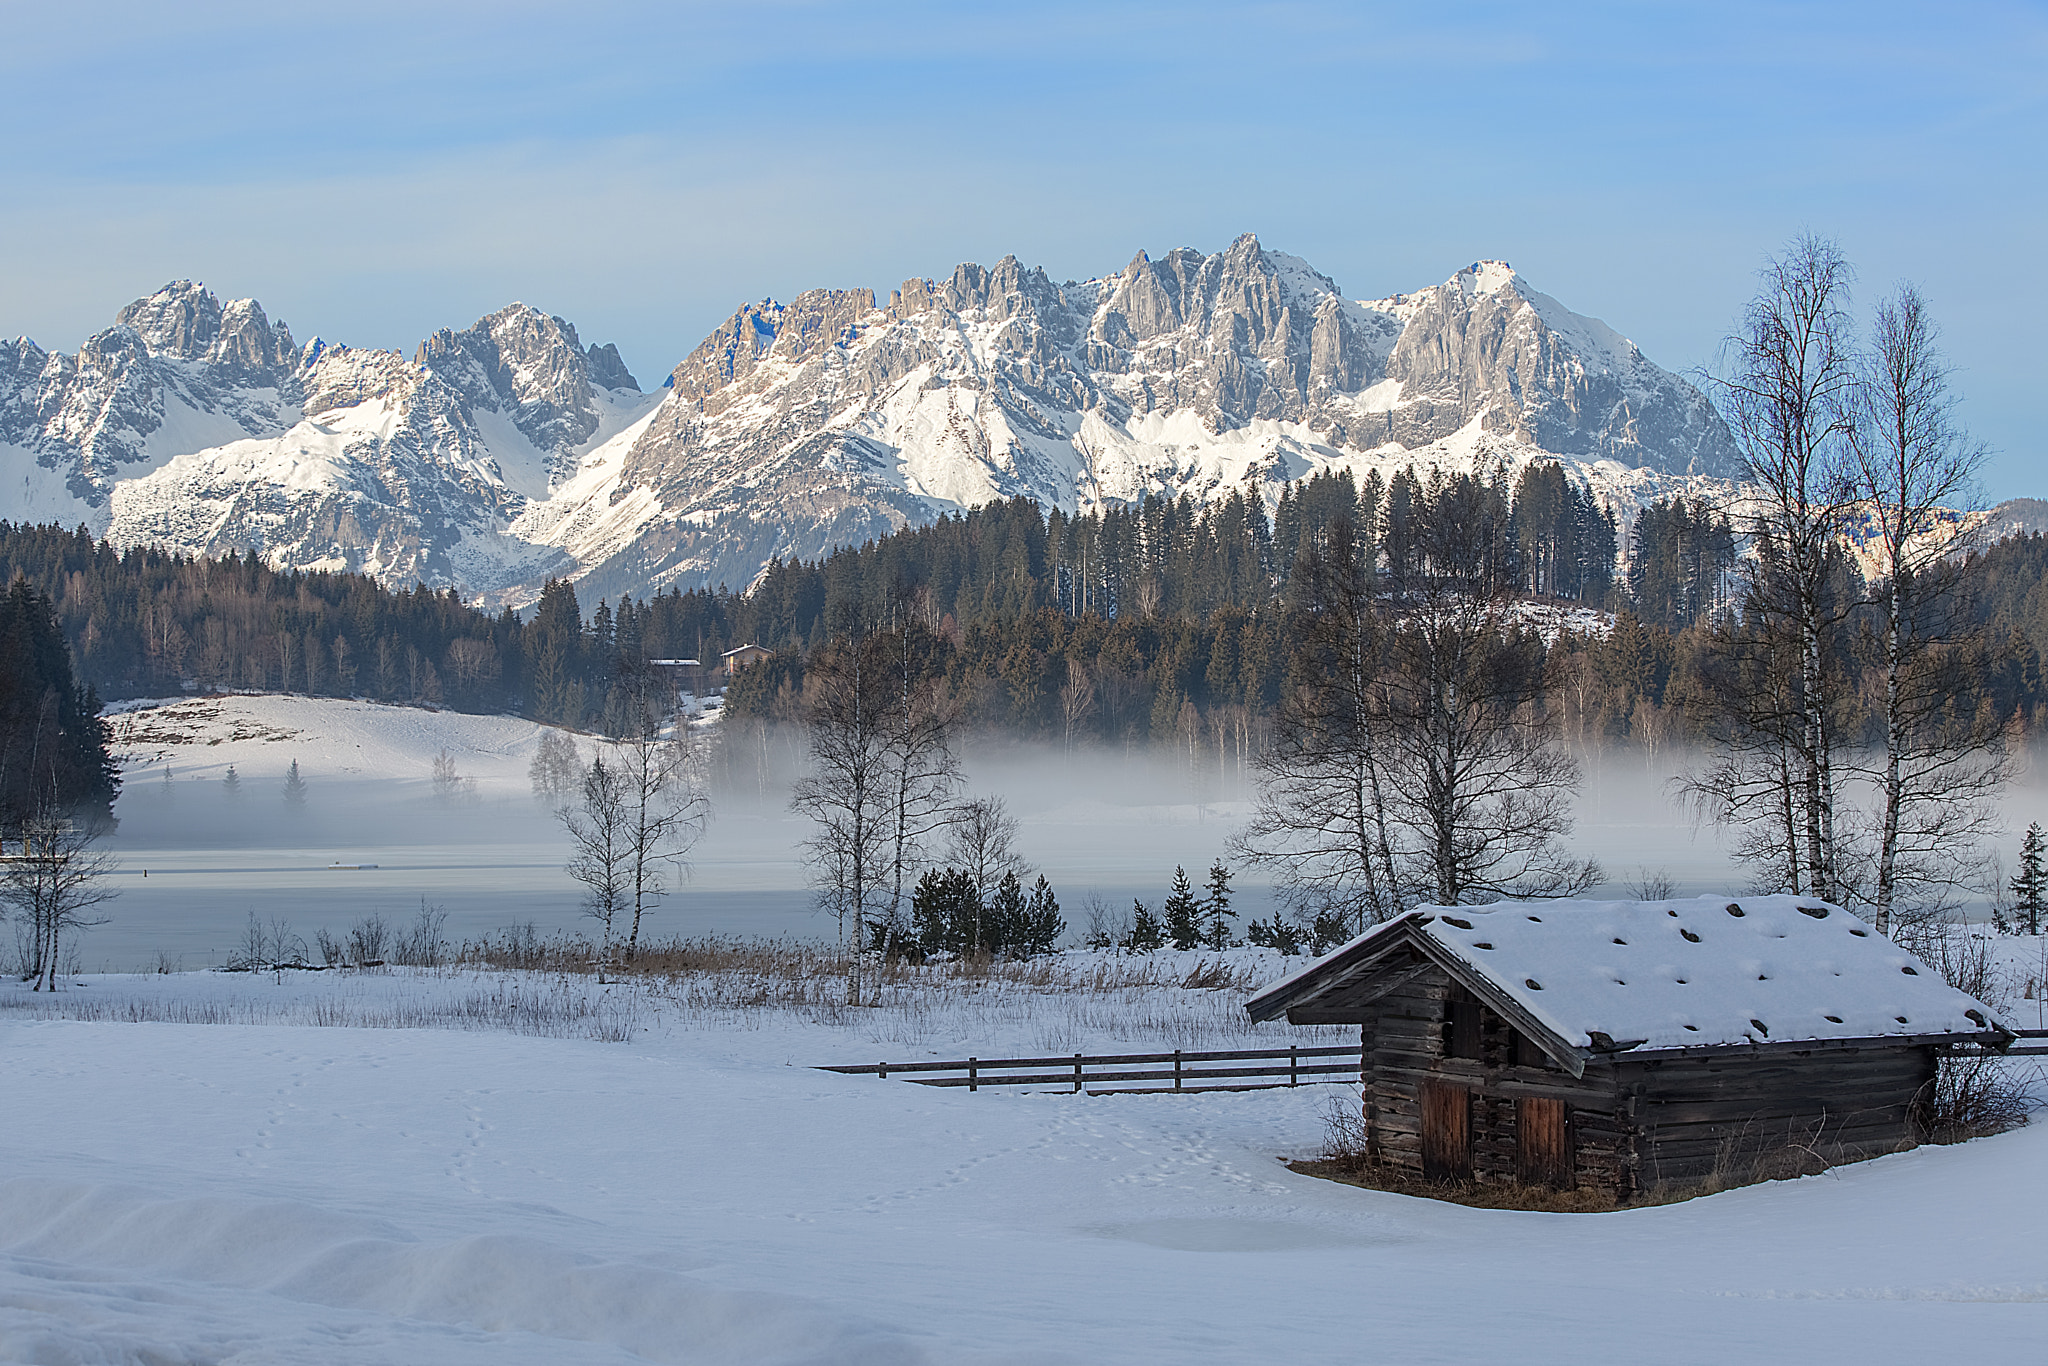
[{"x": 195, "y": 860}]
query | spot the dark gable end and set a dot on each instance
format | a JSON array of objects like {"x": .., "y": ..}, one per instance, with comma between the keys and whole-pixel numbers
[{"x": 1339, "y": 988}]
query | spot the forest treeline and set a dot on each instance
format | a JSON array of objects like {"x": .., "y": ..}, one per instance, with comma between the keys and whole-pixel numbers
[{"x": 1160, "y": 623}]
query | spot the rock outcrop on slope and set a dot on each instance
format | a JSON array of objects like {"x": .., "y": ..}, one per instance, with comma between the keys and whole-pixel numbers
[{"x": 508, "y": 451}]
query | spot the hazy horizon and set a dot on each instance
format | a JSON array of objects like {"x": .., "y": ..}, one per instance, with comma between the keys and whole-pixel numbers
[{"x": 1104, "y": 823}]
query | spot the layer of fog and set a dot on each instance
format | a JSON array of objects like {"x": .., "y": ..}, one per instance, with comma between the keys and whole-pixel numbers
[{"x": 195, "y": 862}]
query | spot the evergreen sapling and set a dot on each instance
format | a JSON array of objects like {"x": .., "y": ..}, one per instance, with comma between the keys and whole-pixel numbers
[
  {"x": 2030, "y": 884},
  {"x": 1216, "y": 906},
  {"x": 1183, "y": 913}
]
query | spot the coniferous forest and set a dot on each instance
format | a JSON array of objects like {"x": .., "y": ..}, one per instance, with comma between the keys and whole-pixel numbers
[{"x": 1165, "y": 622}]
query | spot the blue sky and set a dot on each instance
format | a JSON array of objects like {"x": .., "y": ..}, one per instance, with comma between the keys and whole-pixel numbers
[{"x": 374, "y": 171}]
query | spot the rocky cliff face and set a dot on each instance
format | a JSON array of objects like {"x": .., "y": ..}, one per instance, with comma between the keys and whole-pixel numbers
[
  {"x": 795, "y": 427},
  {"x": 508, "y": 450}
]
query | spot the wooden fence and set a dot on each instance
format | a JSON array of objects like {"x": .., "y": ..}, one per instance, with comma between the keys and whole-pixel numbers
[
  {"x": 1166, "y": 1073},
  {"x": 2018, "y": 1050},
  {"x": 1179, "y": 1071}
]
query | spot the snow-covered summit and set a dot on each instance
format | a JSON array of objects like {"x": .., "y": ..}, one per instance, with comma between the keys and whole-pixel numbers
[{"x": 508, "y": 451}]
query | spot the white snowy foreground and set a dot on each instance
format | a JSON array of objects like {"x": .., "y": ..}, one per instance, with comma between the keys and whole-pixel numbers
[{"x": 283, "y": 1192}]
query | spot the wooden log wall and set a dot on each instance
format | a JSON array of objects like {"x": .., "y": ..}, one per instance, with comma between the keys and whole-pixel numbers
[
  {"x": 1739, "y": 1116},
  {"x": 1632, "y": 1124}
]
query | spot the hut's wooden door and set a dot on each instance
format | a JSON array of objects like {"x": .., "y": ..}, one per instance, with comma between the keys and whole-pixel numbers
[
  {"x": 1543, "y": 1142},
  {"x": 1446, "y": 1132}
]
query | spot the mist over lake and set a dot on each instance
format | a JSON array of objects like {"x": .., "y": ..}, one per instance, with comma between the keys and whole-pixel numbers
[{"x": 196, "y": 860}]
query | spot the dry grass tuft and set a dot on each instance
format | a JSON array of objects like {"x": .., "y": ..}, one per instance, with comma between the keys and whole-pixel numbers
[{"x": 1476, "y": 1194}]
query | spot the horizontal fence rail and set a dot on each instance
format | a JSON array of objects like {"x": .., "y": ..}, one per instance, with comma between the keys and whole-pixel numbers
[
  {"x": 1193, "y": 1072},
  {"x": 1166, "y": 1072},
  {"x": 2029, "y": 1050}
]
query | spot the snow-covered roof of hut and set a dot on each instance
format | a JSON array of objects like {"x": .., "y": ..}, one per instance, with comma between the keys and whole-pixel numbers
[{"x": 1603, "y": 977}]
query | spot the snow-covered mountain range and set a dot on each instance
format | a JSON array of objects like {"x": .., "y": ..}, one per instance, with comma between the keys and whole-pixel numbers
[{"x": 508, "y": 452}]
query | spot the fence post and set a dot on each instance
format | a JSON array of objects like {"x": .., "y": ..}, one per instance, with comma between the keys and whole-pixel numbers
[
  {"x": 973, "y": 1084},
  {"x": 1176, "y": 1069},
  {"x": 1077, "y": 1074},
  {"x": 882, "y": 1071},
  {"x": 1293, "y": 1066}
]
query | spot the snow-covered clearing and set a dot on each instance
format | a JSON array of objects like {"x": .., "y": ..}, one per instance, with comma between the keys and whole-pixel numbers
[
  {"x": 459, "y": 1165},
  {"x": 266, "y": 1191}
]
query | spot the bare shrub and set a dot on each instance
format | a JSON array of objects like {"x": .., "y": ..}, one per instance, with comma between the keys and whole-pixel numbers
[
  {"x": 367, "y": 940},
  {"x": 1972, "y": 1095},
  {"x": 1344, "y": 1141},
  {"x": 267, "y": 946},
  {"x": 422, "y": 944},
  {"x": 1649, "y": 886}
]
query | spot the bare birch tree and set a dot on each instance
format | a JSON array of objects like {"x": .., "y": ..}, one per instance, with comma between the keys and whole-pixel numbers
[
  {"x": 1943, "y": 758},
  {"x": 601, "y": 854},
  {"x": 1789, "y": 394},
  {"x": 1321, "y": 821},
  {"x": 847, "y": 791},
  {"x": 665, "y": 811},
  {"x": 923, "y": 769}
]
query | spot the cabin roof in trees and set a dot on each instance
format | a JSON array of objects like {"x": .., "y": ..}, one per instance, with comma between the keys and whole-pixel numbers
[
  {"x": 742, "y": 655},
  {"x": 1593, "y": 979}
]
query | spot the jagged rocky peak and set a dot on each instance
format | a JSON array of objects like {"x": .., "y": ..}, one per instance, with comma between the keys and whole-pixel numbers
[
  {"x": 608, "y": 370},
  {"x": 337, "y": 377},
  {"x": 1485, "y": 277},
  {"x": 759, "y": 336},
  {"x": 531, "y": 366},
  {"x": 186, "y": 321}
]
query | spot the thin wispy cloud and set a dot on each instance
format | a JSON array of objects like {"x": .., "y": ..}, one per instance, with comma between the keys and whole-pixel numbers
[{"x": 376, "y": 172}]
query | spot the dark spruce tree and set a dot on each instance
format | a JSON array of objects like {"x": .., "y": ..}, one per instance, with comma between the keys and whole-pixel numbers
[
  {"x": 2030, "y": 884},
  {"x": 1183, "y": 913},
  {"x": 53, "y": 744}
]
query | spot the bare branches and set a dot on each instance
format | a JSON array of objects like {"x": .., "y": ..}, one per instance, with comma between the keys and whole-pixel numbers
[
  {"x": 848, "y": 793},
  {"x": 1412, "y": 757},
  {"x": 1789, "y": 393},
  {"x": 1943, "y": 760},
  {"x": 600, "y": 848},
  {"x": 1843, "y": 447},
  {"x": 666, "y": 811},
  {"x": 55, "y": 884}
]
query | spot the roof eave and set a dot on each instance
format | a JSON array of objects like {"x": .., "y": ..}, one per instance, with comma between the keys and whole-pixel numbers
[
  {"x": 1989, "y": 1038},
  {"x": 1274, "y": 1001}
]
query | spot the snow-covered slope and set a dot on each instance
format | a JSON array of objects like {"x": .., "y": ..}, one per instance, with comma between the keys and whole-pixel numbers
[
  {"x": 237, "y": 1192},
  {"x": 507, "y": 452}
]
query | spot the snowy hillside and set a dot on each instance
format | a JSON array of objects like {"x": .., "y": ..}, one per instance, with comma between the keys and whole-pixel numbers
[
  {"x": 244, "y": 1192},
  {"x": 508, "y": 452}
]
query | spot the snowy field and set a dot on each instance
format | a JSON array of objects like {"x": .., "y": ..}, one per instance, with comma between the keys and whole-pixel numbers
[
  {"x": 454, "y": 1166},
  {"x": 665, "y": 1177}
]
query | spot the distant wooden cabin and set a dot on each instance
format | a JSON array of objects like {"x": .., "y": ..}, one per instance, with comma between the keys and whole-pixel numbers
[
  {"x": 1625, "y": 1045},
  {"x": 683, "y": 675},
  {"x": 733, "y": 660}
]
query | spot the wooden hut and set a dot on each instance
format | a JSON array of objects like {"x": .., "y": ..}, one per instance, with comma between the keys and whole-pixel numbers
[
  {"x": 1629, "y": 1044},
  {"x": 739, "y": 657}
]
